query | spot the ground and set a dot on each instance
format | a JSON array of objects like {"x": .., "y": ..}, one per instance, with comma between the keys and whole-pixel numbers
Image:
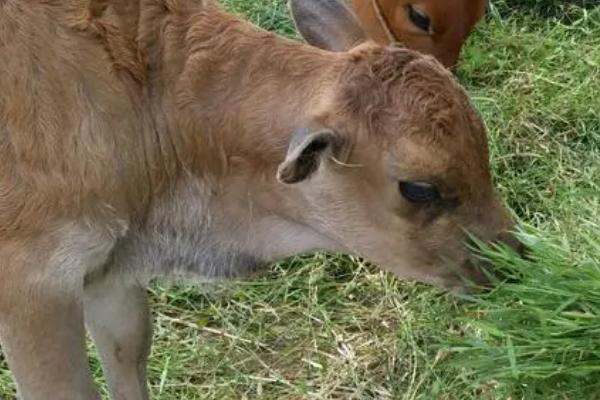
[{"x": 330, "y": 327}]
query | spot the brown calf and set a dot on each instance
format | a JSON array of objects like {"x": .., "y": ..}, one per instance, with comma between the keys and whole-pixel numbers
[
  {"x": 436, "y": 27},
  {"x": 166, "y": 138}
]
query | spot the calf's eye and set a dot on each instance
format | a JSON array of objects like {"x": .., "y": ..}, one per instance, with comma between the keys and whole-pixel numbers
[
  {"x": 419, "y": 18},
  {"x": 419, "y": 192}
]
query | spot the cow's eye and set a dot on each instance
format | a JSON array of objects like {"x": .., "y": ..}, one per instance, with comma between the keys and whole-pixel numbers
[
  {"x": 419, "y": 18},
  {"x": 419, "y": 192}
]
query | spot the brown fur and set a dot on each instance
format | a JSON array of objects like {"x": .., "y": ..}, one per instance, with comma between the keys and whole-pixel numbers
[
  {"x": 143, "y": 139},
  {"x": 452, "y": 21}
]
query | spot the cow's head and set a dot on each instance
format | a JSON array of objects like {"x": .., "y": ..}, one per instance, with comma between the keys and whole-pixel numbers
[
  {"x": 436, "y": 27},
  {"x": 394, "y": 166}
]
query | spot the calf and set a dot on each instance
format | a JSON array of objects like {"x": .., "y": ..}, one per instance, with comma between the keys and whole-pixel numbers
[
  {"x": 167, "y": 138},
  {"x": 436, "y": 27}
]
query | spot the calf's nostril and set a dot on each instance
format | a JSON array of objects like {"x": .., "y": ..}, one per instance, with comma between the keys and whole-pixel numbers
[
  {"x": 518, "y": 246},
  {"x": 522, "y": 249},
  {"x": 513, "y": 242},
  {"x": 471, "y": 243},
  {"x": 478, "y": 276}
]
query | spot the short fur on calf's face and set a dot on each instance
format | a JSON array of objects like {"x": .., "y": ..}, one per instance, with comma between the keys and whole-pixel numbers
[{"x": 401, "y": 118}]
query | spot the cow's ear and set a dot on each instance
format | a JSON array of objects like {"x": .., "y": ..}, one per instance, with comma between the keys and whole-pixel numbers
[
  {"x": 306, "y": 152},
  {"x": 327, "y": 24}
]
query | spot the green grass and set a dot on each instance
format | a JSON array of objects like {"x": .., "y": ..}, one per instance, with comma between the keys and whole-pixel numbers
[
  {"x": 329, "y": 327},
  {"x": 537, "y": 334}
]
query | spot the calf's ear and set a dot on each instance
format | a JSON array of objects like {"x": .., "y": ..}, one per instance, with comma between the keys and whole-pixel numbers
[
  {"x": 306, "y": 152},
  {"x": 327, "y": 24}
]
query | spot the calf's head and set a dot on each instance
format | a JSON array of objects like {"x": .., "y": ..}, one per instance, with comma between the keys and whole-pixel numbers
[
  {"x": 436, "y": 27},
  {"x": 393, "y": 165}
]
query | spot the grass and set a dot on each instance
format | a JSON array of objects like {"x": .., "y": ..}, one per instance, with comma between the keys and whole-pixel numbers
[
  {"x": 537, "y": 334},
  {"x": 330, "y": 327}
]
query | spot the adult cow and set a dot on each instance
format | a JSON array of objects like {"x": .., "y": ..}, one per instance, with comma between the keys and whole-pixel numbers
[{"x": 436, "y": 27}]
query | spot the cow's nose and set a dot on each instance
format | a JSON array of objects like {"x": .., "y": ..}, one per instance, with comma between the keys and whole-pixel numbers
[
  {"x": 523, "y": 250},
  {"x": 510, "y": 240},
  {"x": 483, "y": 273}
]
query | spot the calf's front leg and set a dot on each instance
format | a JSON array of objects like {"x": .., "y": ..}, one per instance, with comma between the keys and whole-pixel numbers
[
  {"x": 117, "y": 317},
  {"x": 41, "y": 315}
]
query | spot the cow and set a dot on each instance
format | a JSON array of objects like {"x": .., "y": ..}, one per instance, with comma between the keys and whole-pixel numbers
[
  {"x": 147, "y": 139},
  {"x": 436, "y": 27}
]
